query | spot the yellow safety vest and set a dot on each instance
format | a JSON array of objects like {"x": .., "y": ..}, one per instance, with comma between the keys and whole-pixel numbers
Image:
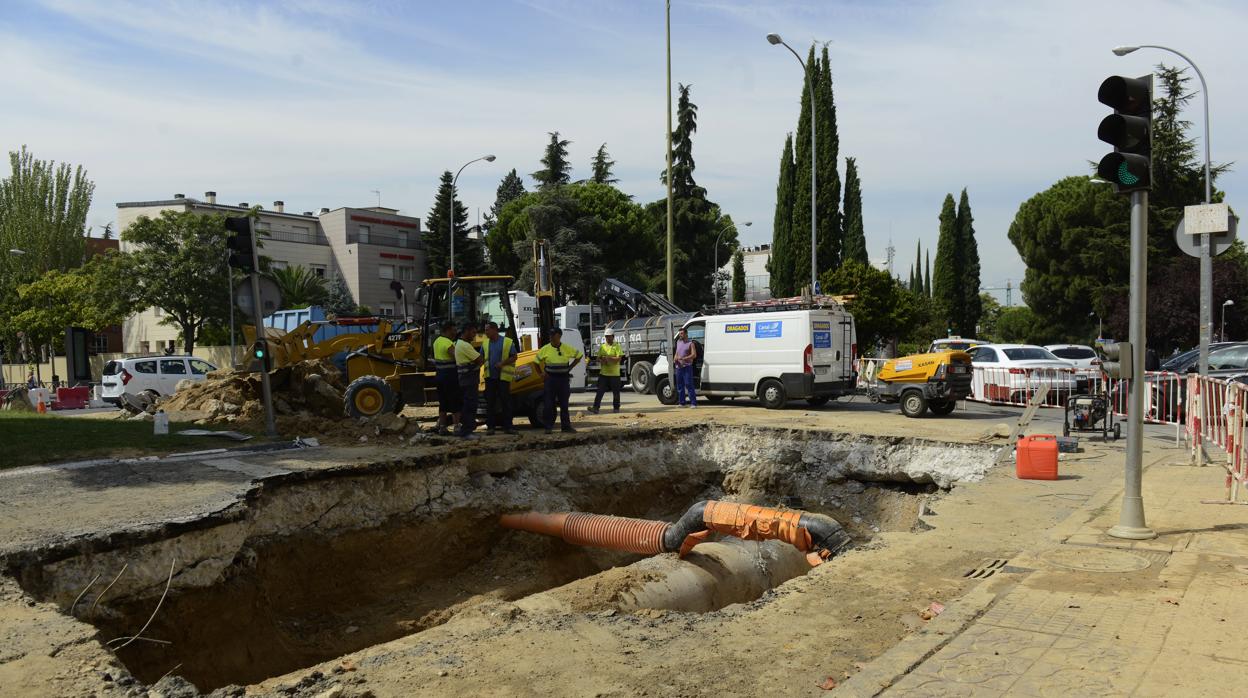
[
  {"x": 465, "y": 358},
  {"x": 508, "y": 371},
  {"x": 610, "y": 369},
  {"x": 557, "y": 361},
  {"x": 443, "y": 352}
]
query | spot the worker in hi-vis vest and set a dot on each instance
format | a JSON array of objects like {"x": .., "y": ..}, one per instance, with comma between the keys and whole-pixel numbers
[
  {"x": 557, "y": 360},
  {"x": 446, "y": 379},
  {"x": 609, "y": 357},
  {"x": 499, "y": 353},
  {"x": 468, "y": 365}
]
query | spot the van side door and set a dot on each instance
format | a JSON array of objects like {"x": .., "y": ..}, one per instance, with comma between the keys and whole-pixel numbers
[{"x": 171, "y": 372}]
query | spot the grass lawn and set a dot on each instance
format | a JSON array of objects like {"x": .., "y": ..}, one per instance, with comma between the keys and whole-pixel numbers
[{"x": 28, "y": 439}]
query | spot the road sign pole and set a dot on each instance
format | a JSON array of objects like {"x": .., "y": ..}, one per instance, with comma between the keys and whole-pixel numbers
[
  {"x": 1131, "y": 519},
  {"x": 257, "y": 317},
  {"x": 1206, "y": 299}
]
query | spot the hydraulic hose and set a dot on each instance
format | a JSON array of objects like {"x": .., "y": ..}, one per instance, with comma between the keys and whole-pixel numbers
[{"x": 819, "y": 536}]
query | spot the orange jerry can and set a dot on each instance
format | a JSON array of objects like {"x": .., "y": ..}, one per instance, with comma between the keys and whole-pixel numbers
[{"x": 1036, "y": 457}]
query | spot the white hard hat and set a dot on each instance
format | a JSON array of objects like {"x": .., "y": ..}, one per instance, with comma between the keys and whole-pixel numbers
[{"x": 608, "y": 332}]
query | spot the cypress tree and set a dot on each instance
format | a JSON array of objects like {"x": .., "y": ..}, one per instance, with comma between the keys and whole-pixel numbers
[
  {"x": 972, "y": 306},
  {"x": 918, "y": 267},
  {"x": 558, "y": 170},
  {"x": 927, "y": 281},
  {"x": 832, "y": 234},
  {"x": 780, "y": 266},
  {"x": 601, "y": 166},
  {"x": 947, "y": 281},
  {"x": 855, "y": 236},
  {"x": 800, "y": 230},
  {"x": 910, "y": 283},
  {"x": 738, "y": 276},
  {"x": 683, "y": 185}
]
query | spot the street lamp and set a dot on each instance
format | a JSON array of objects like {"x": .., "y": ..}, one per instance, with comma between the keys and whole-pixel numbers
[
  {"x": 715, "y": 281},
  {"x": 1226, "y": 303},
  {"x": 451, "y": 214},
  {"x": 775, "y": 40},
  {"x": 1206, "y": 256}
]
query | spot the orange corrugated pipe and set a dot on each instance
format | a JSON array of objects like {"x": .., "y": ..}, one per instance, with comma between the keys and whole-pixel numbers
[{"x": 815, "y": 534}]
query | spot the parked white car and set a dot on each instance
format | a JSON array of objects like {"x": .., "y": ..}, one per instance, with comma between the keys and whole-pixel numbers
[
  {"x": 153, "y": 375},
  {"x": 1011, "y": 372},
  {"x": 954, "y": 343},
  {"x": 1077, "y": 355}
]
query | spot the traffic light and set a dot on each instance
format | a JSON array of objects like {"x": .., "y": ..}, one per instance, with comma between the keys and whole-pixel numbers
[
  {"x": 240, "y": 244},
  {"x": 260, "y": 355},
  {"x": 1118, "y": 363},
  {"x": 1130, "y": 130}
]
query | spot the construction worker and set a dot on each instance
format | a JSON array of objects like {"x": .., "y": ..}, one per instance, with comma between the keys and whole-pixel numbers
[
  {"x": 499, "y": 353},
  {"x": 609, "y": 356},
  {"x": 446, "y": 379},
  {"x": 468, "y": 365},
  {"x": 557, "y": 361}
]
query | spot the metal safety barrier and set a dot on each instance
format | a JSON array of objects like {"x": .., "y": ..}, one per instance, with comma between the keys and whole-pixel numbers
[
  {"x": 1000, "y": 385},
  {"x": 1217, "y": 415}
]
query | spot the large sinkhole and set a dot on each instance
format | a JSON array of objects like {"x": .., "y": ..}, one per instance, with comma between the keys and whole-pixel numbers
[{"x": 317, "y": 567}]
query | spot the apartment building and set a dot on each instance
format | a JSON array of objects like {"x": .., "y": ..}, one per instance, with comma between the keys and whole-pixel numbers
[
  {"x": 367, "y": 247},
  {"x": 757, "y": 278}
]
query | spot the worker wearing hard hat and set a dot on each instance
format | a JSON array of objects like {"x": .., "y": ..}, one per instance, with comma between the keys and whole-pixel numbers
[
  {"x": 609, "y": 357},
  {"x": 557, "y": 360}
]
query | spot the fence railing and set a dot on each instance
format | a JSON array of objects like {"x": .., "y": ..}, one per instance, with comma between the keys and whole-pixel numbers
[{"x": 1217, "y": 415}]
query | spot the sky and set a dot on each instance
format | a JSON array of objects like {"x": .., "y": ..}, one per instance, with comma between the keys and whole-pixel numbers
[{"x": 319, "y": 103}]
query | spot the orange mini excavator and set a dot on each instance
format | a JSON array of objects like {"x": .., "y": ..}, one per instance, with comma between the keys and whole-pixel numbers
[{"x": 819, "y": 536}]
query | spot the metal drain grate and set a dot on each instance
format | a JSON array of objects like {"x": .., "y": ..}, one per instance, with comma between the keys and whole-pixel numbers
[{"x": 986, "y": 570}]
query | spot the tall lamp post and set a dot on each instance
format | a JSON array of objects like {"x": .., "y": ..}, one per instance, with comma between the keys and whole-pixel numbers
[
  {"x": 451, "y": 213},
  {"x": 1227, "y": 302},
  {"x": 722, "y": 230},
  {"x": 1206, "y": 257},
  {"x": 775, "y": 40}
]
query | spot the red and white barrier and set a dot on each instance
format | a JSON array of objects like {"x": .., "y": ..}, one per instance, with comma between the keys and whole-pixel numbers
[
  {"x": 999, "y": 385},
  {"x": 1218, "y": 414}
]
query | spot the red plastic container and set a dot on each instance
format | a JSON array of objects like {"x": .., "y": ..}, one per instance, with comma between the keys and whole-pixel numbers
[{"x": 1036, "y": 457}]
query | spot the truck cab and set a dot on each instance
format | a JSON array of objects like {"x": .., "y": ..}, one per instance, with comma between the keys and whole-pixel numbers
[{"x": 774, "y": 357}]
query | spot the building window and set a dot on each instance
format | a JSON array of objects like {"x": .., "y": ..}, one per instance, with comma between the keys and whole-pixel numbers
[
  {"x": 99, "y": 344},
  {"x": 302, "y": 231},
  {"x": 145, "y": 347},
  {"x": 319, "y": 270},
  {"x": 407, "y": 273},
  {"x": 385, "y": 271},
  {"x": 402, "y": 238},
  {"x": 363, "y": 233},
  {"x": 278, "y": 264},
  {"x": 263, "y": 225},
  {"x": 158, "y": 312},
  {"x": 387, "y": 309}
]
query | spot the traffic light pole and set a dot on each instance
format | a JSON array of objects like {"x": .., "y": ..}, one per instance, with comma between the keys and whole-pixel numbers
[
  {"x": 1131, "y": 523},
  {"x": 257, "y": 317}
]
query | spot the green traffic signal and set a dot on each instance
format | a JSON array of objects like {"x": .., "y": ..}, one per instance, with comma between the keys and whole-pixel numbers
[{"x": 1129, "y": 130}]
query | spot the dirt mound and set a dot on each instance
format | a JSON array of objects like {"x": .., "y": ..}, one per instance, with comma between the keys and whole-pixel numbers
[
  {"x": 17, "y": 400},
  {"x": 308, "y": 388}
]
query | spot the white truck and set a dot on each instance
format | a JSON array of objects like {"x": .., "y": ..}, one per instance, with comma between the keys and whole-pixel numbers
[{"x": 774, "y": 356}]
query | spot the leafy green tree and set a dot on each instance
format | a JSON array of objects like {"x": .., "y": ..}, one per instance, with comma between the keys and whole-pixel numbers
[
  {"x": 883, "y": 310},
  {"x": 601, "y": 167},
  {"x": 738, "y": 276},
  {"x": 990, "y": 314},
  {"x": 1020, "y": 325},
  {"x": 855, "y": 235},
  {"x": 947, "y": 283},
  {"x": 338, "y": 299},
  {"x": 969, "y": 249},
  {"x": 43, "y": 212},
  {"x": 575, "y": 264},
  {"x": 557, "y": 171},
  {"x": 780, "y": 265},
  {"x": 511, "y": 188},
  {"x": 300, "y": 287},
  {"x": 468, "y": 254},
  {"x": 178, "y": 265},
  {"x": 831, "y": 226},
  {"x": 94, "y": 296}
]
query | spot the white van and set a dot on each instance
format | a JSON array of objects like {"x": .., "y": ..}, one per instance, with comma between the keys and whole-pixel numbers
[
  {"x": 579, "y": 377},
  {"x": 155, "y": 375},
  {"x": 776, "y": 356}
]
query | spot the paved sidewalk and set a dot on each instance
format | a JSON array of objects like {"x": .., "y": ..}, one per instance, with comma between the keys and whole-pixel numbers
[{"x": 1090, "y": 615}]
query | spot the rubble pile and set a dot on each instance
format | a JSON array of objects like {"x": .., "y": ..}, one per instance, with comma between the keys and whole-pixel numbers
[
  {"x": 17, "y": 400},
  {"x": 308, "y": 389}
]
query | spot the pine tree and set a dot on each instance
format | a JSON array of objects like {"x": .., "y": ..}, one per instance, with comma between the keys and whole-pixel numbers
[
  {"x": 683, "y": 184},
  {"x": 510, "y": 189},
  {"x": 557, "y": 171},
  {"x": 832, "y": 228},
  {"x": 972, "y": 305},
  {"x": 468, "y": 256},
  {"x": 947, "y": 281},
  {"x": 601, "y": 166},
  {"x": 780, "y": 266},
  {"x": 800, "y": 229},
  {"x": 927, "y": 280},
  {"x": 738, "y": 277},
  {"x": 855, "y": 236}
]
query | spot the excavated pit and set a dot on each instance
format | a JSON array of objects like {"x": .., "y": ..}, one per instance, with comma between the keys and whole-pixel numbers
[{"x": 317, "y": 567}]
